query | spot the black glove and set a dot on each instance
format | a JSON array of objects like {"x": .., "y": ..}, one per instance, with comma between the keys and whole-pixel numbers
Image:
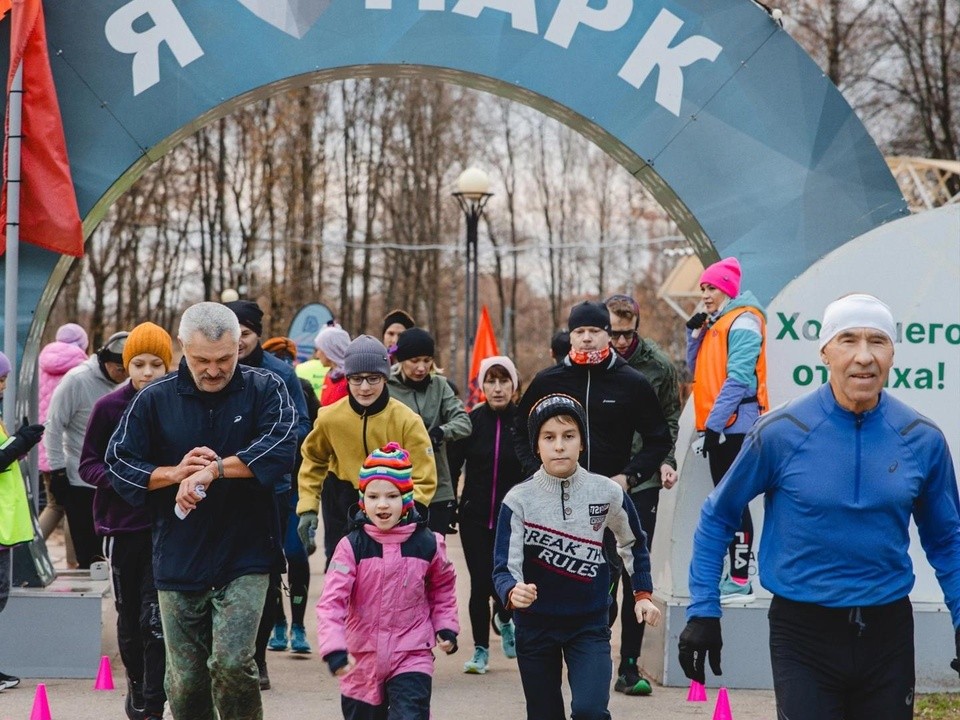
[
  {"x": 955, "y": 663},
  {"x": 21, "y": 442},
  {"x": 336, "y": 660},
  {"x": 452, "y": 524},
  {"x": 700, "y": 639},
  {"x": 451, "y": 636},
  {"x": 711, "y": 441},
  {"x": 697, "y": 320},
  {"x": 436, "y": 435}
]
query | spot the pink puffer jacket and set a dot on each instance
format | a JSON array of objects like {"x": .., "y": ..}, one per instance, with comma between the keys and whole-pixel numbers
[
  {"x": 55, "y": 360},
  {"x": 387, "y": 593}
]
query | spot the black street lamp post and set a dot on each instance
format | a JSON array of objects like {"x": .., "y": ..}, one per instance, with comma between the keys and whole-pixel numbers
[{"x": 473, "y": 191}]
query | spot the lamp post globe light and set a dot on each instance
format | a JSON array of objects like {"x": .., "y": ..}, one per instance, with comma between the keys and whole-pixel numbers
[{"x": 473, "y": 191}]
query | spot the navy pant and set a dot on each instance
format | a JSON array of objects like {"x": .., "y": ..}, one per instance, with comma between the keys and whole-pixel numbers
[
  {"x": 408, "y": 698},
  {"x": 541, "y": 652},
  {"x": 842, "y": 663}
]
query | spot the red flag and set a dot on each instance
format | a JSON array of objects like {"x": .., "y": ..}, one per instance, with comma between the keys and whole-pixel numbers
[
  {"x": 484, "y": 346},
  {"x": 48, "y": 204}
]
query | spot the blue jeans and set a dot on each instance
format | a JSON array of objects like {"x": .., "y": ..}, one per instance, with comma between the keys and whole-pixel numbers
[
  {"x": 210, "y": 638},
  {"x": 541, "y": 652}
]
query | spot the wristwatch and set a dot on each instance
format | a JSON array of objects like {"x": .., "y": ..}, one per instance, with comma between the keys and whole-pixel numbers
[
  {"x": 219, "y": 461},
  {"x": 632, "y": 480}
]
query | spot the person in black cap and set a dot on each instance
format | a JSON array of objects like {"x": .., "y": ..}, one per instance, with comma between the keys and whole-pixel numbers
[
  {"x": 431, "y": 397},
  {"x": 251, "y": 354},
  {"x": 67, "y": 416},
  {"x": 560, "y": 345}
]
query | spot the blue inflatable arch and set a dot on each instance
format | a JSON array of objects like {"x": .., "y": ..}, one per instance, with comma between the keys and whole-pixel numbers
[{"x": 712, "y": 106}]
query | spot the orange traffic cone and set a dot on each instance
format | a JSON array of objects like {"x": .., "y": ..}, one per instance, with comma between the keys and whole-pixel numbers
[
  {"x": 697, "y": 692},
  {"x": 104, "y": 676},
  {"x": 41, "y": 708},
  {"x": 722, "y": 710}
]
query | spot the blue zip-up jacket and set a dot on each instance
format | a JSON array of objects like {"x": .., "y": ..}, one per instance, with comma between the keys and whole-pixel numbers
[
  {"x": 839, "y": 489},
  {"x": 550, "y": 533},
  {"x": 234, "y": 530}
]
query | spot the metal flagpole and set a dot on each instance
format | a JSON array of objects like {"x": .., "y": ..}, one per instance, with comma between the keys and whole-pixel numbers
[{"x": 11, "y": 286}]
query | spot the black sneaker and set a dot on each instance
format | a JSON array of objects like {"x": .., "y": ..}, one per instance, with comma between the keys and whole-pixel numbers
[
  {"x": 264, "y": 678},
  {"x": 8, "y": 681},
  {"x": 133, "y": 705}
]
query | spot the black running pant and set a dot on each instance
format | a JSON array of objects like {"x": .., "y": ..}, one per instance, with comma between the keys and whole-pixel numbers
[
  {"x": 741, "y": 549},
  {"x": 842, "y": 663},
  {"x": 477, "y": 540}
]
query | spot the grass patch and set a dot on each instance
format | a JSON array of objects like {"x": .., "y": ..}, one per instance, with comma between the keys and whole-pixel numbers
[{"x": 937, "y": 706}]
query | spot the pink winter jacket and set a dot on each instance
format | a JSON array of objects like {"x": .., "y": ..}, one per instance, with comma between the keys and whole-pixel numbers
[
  {"x": 387, "y": 593},
  {"x": 55, "y": 360}
]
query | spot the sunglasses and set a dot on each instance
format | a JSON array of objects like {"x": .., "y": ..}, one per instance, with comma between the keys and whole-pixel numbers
[{"x": 623, "y": 334}]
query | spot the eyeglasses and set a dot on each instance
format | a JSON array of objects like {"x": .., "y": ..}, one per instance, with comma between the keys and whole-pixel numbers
[
  {"x": 623, "y": 334},
  {"x": 371, "y": 380}
]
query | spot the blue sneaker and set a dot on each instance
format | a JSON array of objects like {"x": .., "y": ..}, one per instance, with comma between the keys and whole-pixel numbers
[
  {"x": 298, "y": 640},
  {"x": 478, "y": 664},
  {"x": 508, "y": 636},
  {"x": 733, "y": 592},
  {"x": 278, "y": 639}
]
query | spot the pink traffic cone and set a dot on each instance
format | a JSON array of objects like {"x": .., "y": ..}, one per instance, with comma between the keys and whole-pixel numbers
[
  {"x": 697, "y": 692},
  {"x": 41, "y": 708},
  {"x": 104, "y": 676},
  {"x": 722, "y": 710}
]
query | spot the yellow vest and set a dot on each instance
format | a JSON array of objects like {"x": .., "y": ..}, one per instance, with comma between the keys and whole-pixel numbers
[
  {"x": 16, "y": 523},
  {"x": 711, "y": 370}
]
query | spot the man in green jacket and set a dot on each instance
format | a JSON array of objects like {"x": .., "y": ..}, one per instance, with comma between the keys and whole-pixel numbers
[{"x": 645, "y": 355}]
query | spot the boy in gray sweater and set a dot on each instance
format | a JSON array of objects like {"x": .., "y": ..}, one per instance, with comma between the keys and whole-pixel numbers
[{"x": 550, "y": 567}]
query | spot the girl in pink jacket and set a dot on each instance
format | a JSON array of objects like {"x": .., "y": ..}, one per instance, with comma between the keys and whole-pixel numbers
[{"x": 389, "y": 597}]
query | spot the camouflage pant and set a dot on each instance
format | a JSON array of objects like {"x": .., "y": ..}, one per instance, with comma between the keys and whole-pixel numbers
[{"x": 209, "y": 638}]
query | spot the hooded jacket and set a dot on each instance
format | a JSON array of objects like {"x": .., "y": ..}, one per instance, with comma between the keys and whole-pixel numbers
[
  {"x": 69, "y": 410},
  {"x": 438, "y": 406},
  {"x": 387, "y": 594},
  {"x": 55, "y": 360}
]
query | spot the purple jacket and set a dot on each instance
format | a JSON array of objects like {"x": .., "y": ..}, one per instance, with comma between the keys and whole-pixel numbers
[
  {"x": 387, "y": 593},
  {"x": 112, "y": 515},
  {"x": 56, "y": 360}
]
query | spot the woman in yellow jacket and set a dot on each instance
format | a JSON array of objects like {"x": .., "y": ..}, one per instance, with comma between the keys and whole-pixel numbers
[{"x": 16, "y": 523}]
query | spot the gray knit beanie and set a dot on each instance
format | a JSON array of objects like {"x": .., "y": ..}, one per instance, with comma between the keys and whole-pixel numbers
[{"x": 366, "y": 354}]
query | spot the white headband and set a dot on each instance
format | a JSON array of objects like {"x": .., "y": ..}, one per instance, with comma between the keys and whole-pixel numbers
[{"x": 856, "y": 311}]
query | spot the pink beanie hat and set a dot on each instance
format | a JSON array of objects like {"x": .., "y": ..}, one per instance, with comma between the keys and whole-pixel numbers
[{"x": 723, "y": 275}]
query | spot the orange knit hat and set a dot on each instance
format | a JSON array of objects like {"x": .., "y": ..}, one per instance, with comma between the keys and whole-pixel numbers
[{"x": 148, "y": 338}]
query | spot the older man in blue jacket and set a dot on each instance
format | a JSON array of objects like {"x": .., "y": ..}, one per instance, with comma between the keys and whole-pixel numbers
[
  {"x": 210, "y": 441},
  {"x": 842, "y": 470}
]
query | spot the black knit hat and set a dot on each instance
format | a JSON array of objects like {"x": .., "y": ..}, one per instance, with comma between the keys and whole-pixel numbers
[
  {"x": 551, "y": 406},
  {"x": 414, "y": 342},
  {"x": 589, "y": 314},
  {"x": 366, "y": 354},
  {"x": 248, "y": 313},
  {"x": 397, "y": 316}
]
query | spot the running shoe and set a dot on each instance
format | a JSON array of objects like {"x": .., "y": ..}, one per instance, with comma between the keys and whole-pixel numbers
[{"x": 478, "y": 664}]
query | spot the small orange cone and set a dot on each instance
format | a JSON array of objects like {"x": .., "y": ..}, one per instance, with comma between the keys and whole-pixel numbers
[
  {"x": 104, "y": 676},
  {"x": 722, "y": 710},
  {"x": 41, "y": 708},
  {"x": 697, "y": 692}
]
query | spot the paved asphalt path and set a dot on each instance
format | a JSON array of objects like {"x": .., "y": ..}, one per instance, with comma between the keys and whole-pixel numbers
[{"x": 303, "y": 689}]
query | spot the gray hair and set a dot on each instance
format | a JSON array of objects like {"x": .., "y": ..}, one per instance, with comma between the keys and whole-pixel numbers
[{"x": 211, "y": 320}]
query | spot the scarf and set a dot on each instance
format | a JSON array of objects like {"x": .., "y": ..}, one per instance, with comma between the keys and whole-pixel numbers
[{"x": 589, "y": 357}]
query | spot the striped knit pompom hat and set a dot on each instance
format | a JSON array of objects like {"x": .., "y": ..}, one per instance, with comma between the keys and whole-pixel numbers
[{"x": 390, "y": 463}]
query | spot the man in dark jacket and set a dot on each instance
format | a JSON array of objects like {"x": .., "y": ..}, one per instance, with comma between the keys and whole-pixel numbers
[
  {"x": 617, "y": 399},
  {"x": 619, "y": 402},
  {"x": 210, "y": 441}
]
